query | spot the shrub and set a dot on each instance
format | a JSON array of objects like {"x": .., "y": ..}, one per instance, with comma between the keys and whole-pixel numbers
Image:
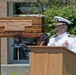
[{"x": 13, "y": 73}]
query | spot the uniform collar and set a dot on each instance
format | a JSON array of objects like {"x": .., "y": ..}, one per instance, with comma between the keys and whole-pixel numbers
[{"x": 62, "y": 35}]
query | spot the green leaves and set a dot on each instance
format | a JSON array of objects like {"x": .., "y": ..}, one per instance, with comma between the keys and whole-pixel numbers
[{"x": 13, "y": 73}]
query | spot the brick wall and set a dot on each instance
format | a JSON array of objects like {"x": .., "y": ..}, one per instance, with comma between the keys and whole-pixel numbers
[
  {"x": 3, "y": 9},
  {"x": 4, "y": 51}
]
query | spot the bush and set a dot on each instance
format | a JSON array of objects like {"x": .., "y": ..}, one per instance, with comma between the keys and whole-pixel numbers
[
  {"x": 13, "y": 73},
  {"x": 67, "y": 11}
]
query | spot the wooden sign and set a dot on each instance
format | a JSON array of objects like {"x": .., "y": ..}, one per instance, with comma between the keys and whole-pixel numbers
[{"x": 15, "y": 25}]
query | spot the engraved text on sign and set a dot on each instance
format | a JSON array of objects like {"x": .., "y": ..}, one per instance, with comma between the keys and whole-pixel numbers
[{"x": 15, "y": 25}]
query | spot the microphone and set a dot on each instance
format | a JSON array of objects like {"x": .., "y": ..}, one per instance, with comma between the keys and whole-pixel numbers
[{"x": 45, "y": 36}]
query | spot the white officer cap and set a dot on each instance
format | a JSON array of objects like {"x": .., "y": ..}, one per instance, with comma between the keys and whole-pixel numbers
[{"x": 61, "y": 21}]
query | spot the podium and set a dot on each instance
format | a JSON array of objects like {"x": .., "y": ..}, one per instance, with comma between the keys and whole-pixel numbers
[{"x": 46, "y": 60}]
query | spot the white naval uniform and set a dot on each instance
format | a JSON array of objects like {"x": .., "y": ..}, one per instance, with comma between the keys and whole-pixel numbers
[
  {"x": 73, "y": 45},
  {"x": 60, "y": 40}
]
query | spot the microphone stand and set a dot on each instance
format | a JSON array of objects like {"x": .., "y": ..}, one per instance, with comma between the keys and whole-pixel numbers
[
  {"x": 18, "y": 53},
  {"x": 42, "y": 43},
  {"x": 43, "y": 40}
]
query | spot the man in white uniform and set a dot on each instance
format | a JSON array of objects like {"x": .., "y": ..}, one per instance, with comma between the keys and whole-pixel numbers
[{"x": 62, "y": 37}]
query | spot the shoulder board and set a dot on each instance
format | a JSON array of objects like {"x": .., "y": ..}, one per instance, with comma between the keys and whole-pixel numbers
[
  {"x": 53, "y": 36},
  {"x": 71, "y": 36}
]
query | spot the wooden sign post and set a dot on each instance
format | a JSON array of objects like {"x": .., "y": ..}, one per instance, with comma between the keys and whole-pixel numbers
[{"x": 18, "y": 26}]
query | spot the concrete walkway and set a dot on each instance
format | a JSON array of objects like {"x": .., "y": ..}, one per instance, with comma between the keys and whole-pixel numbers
[{"x": 20, "y": 69}]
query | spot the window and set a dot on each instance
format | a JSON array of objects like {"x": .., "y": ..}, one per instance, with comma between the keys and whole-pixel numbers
[
  {"x": 24, "y": 8},
  {"x": 21, "y": 49},
  {"x": 28, "y": 8}
]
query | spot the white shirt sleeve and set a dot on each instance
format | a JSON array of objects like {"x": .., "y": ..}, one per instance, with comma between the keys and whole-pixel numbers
[{"x": 73, "y": 46}]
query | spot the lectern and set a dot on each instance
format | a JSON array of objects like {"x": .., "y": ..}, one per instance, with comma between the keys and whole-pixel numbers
[{"x": 52, "y": 61}]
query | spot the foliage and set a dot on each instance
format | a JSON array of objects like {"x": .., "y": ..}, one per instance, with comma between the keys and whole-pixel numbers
[
  {"x": 66, "y": 11},
  {"x": 13, "y": 73},
  {"x": 37, "y": 7}
]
